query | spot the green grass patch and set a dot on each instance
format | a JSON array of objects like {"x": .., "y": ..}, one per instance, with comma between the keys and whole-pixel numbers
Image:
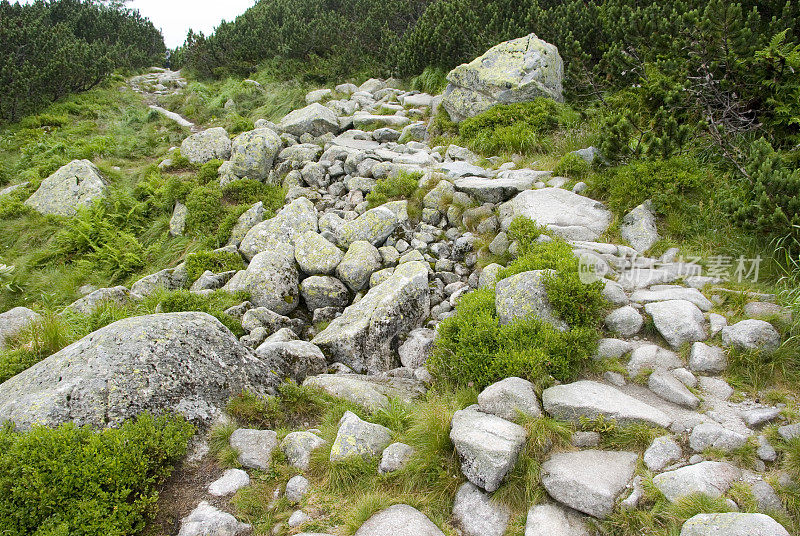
[{"x": 215, "y": 261}]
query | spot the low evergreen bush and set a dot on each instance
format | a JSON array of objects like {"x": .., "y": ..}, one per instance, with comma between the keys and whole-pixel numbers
[
  {"x": 215, "y": 261},
  {"x": 76, "y": 481}
]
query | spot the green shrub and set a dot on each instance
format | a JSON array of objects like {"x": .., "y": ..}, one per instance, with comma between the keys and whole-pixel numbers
[
  {"x": 675, "y": 186},
  {"x": 205, "y": 211},
  {"x": 573, "y": 166},
  {"x": 213, "y": 304},
  {"x": 209, "y": 171},
  {"x": 72, "y": 480},
  {"x": 401, "y": 186},
  {"x": 248, "y": 192},
  {"x": 215, "y": 261},
  {"x": 442, "y": 125},
  {"x": 520, "y": 127},
  {"x": 236, "y": 124}
]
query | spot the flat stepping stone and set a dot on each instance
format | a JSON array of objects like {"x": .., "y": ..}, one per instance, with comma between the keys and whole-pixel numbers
[
  {"x": 732, "y": 524},
  {"x": 588, "y": 481},
  {"x": 229, "y": 483},
  {"x": 591, "y": 399},
  {"x": 399, "y": 520},
  {"x": 710, "y": 478}
]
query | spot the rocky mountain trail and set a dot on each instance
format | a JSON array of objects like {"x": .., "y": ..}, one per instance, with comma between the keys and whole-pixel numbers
[
  {"x": 348, "y": 294},
  {"x": 159, "y": 83}
]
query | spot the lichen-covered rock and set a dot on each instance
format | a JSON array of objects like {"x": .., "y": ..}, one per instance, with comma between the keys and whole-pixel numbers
[
  {"x": 298, "y": 446},
  {"x": 358, "y": 264},
  {"x": 14, "y": 321},
  {"x": 72, "y": 186},
  {"x": 732, "y": 524},
  {"x": 86, "y": 305},
  {"x": 370, "y": 392},
  {"x": 315, "y": 255},
  {"x": 375, "y": 225},
  {"x": 366, "y": 336},
  {"x": 177, "y": 224},
  {"x": 568, "y": 215},
  {"x": 359, "y": 438},
  {"x": 299, "y": 358},
  {"x": 523, "y": 296},
  {"x": 293, "y": 220},
  {"x": 185, "y": 362},
  {"x": 271, "y": 279},
  {"x": 514, "y": 71},
  {"x": 488, "y": 446},
  {"x": 414, "y": 352},
  {"x": 314, "y": 119},
  {"x": 253, "y": 153},
  {"x": 249, "y": 219},
  {"x": 210, "y": 144},
  {"x": 321, "y": 291},
  {"x": 168, "y": 279},
  {"x": 662, "y": 452},
  {"x": 395, "y": 457}
]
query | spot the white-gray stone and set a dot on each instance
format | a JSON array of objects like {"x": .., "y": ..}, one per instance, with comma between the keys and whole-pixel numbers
[
  {"x": 553, "y": 520},
  {"x": 588, "y": 481},
  {"x": 639, "y": 227},
  {"x": 732, "y": 524},
  {"x": 477, "y": 515},
  {"x": 751, "y": 335},
  {"x": 710, "y": 478},
  {"x": 210, "y": 144},
  {"x": 205, "y": 520},
  {"x": 518, "y": 70},
  {"x": 253, "y": 153},
  {"x": 399, "y": 520},
  {"x": 591, "y": 399},
  {"x": 296, "y": 489},
  {"x": 229, "y": 483},
  {"x": 711, "y": 434},
  {"x": 358, "y": 264},
  {"x": 14, "y": 322},
  {"x": 662, "y": 452},
  {"x": 667, "y": 386},
  {"x": 395, "y": 457},
  {"x": 488, "y": 446},
  {"x": 315, "y": 255},
  {"x": 314, "y": 119},
  {"x": 678, "y": 321},
  {"x": 566, "y": 214},
  {"x": 524, "y": 295},
  {"x": 708, "y": 359},
  {"x": 416, "y": 349},
  {"x": 652, "y": 357},
  {"x": 254, "y": 447},
  {"x": 298, "y": 446},
  {"x": 291, "y": 221},
  {"x": 625, "y": 321},
  {"x": 509, "y": 396}
]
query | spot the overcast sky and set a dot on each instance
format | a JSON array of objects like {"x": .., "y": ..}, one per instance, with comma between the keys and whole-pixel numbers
[{"x": 175, "y": 17}]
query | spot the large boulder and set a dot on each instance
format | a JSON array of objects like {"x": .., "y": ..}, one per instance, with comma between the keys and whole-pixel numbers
[
  {"x": 523, "y": 296},
  {"x": 253, "y": 153},
  {"x": 358, "y": 264},
  {"x": 72, "y": 186},
  {"x": 509, "y": 397},
  {"x": 314, "y": 119},
  {"x": 292, "y": 221},
  {"x": 300, "y": 359},
  {"x": 751, "y": 335},
  {"x": 210, "y": 144},
  {"x": 399, "y": 520},
  {"x": 590, "y": 399},
  {"x": 566, "y": 214},
  {"x": 315, "y": 255},
  {"x": 15, "y": 321},
  {"x": 367, "y": 335},
  {"x": 185, "y": 362},
  {"x": 271, "y": 279},
  {"x": 320, "y": 291},
  {"x": 496, "y": 190},
  {"x": 588, "y": 481},
  {"x": 732, "y": 524},
  {"x": 514, "y": 71},
  {"x": 488, "y": 446}
]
